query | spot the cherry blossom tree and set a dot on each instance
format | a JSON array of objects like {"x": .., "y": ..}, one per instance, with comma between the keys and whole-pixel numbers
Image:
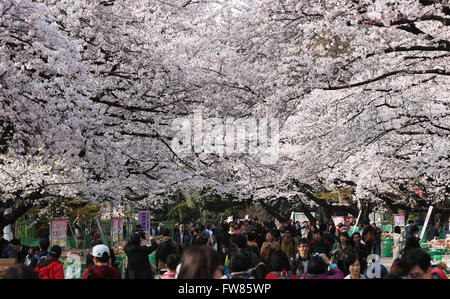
[{"x": 91, "y": 91}]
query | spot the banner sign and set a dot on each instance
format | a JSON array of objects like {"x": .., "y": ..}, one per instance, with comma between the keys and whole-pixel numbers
[
  {"x": 399, "y": 220},
  {"x": 121, "y": 227},
  {"x": 300, "y": 217},
  {"x": 58, "y": 232},
  {"x": 115, "y": 226},
  {"x": 144, "y": 220},
  {"x": 115, "y": 230},
  {"x": 338, "y": 219},
  {"x": 356, "y": 223},
  {"x": 424, "y": 228}
]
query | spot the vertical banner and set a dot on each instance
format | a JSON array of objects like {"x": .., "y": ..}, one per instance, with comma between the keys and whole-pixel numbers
[
  {"x": 424, "y": 228},
  {"x": 356, "y": 223},
  {"x": 58, "y": 232},
  {"x": 399, "y": 220},
  {"x": 115, "y": 230},
  {"x": 144, "y": 220},
  {"x": 121, "y": 229}
]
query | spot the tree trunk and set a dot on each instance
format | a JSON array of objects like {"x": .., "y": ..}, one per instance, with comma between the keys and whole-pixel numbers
[{"x": 15, "y": 214}]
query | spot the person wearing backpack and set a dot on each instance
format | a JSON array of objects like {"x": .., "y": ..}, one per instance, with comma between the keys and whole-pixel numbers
[
  {"x": 43, "y": 253},
  {"x": 278, "y": 266},
  {"x": 102, "y": 265},
  {"x": 319, "y": 244},
  {"x": 51, "y": 268}
]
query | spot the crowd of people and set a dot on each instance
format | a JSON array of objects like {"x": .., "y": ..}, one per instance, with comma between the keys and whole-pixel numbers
[{"x": 244, "y": 250}]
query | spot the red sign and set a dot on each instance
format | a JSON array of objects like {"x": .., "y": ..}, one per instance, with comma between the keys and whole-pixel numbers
[
  {"x": 347, "y": 220},
  {"x": 59, "y": 229}
]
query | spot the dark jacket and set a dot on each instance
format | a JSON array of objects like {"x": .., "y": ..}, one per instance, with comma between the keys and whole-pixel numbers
[
  {"x": 89, "y": 260},
  {"x": 222, "y": 238},
  {"x": 185, "y": 243},
  {"x": 260, "y": 271},
  {"x": 22, "y": 254},
  {"x": 42, "y": 255},
  {"x": 101, "y": 272},
  {"x": 298, "y": 265},
  {"x": 166, "y": 246},
  {"x": 360, "y": 250},
  {"x": 408, "y": 231},
  {"x": 378, "y": 234},
  {"x": 368, "y": 228},
  {"x": 321, "y": 246},
  {"x": 51, "y": 268},
  {"x": 431, "y": 233},
  {"x": 9, "y": 252},
  {"x": 330, "y": 239},
  {"x": 254, "y": 259},
  {"x": 138, "y": 261},
  {"x": 199, "y": 241},
  {"x": 3, "y": 244}
]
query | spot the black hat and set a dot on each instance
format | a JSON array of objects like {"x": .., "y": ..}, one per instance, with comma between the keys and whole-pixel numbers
[{"x": 55, "y": 251}]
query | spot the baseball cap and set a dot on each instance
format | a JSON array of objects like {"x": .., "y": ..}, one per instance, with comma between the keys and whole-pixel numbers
[{"x": 98, "y": 250}]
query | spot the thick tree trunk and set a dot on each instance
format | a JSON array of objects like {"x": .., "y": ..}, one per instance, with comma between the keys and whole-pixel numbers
[{"x": 16, "y": 213}]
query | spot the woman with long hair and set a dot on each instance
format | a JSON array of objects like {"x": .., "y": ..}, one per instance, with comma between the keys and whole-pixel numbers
[
  {"x": 359, "y": 250},
  {"x": 342, "y": 249}
]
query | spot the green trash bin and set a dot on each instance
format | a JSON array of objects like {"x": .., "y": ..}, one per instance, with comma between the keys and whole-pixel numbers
[{"x": 387, "y": 247}]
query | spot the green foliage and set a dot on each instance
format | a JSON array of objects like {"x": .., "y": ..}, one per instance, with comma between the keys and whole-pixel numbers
[{"x": 184, "y": 212}]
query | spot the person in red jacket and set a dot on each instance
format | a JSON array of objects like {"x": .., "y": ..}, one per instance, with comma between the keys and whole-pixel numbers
[
  {"x": 51, "y": 267},
  {"x": 102, "y": 265},
  {"x": 278, "y": 266}
]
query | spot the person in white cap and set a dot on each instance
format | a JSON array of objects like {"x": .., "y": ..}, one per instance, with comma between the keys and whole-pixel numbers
[{"x": 101, "y": 268}]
